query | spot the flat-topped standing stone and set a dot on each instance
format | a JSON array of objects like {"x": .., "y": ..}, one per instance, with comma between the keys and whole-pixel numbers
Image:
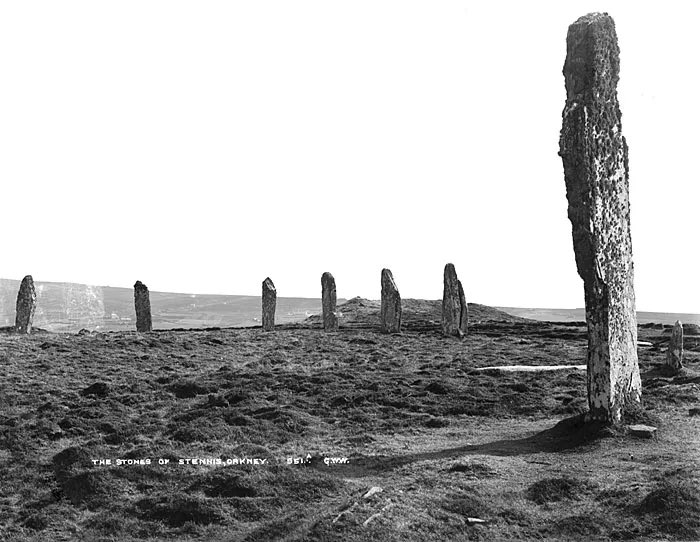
[
  {"x": 391, "y": 304},
  {"x": 454, "y": 305},
  {"x": 328, "y": 301},
  {"x": 594, "y": 154},
  {"x": 269, "y": 304},
  {"x": 674, "y": 355},
  {"x": 142, "y": 303},
  {"x": 26, "y": 305}
]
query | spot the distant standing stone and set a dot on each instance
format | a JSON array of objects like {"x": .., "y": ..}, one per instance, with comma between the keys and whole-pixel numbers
[
  {"x": 142, "y": 303},
  {"x": 464, "y": 309},
  {"x": 674, "y": 355},
  {"x": 269, "y": 304},
  {"x": 594, "y": 155},
  {"x": 454, "y": 305},
  {"x": 391, "y": 304},
  {"x": 26, "y": 306},
  {"x": 328, "y": 302}
]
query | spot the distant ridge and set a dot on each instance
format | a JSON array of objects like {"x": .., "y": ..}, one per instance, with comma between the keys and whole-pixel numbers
[
  {"x": 69, "y": 307},
  {"x": 579, "y": 315}
]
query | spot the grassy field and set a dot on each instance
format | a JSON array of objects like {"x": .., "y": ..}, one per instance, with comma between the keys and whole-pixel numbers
[{"x": 348, "y": 436}]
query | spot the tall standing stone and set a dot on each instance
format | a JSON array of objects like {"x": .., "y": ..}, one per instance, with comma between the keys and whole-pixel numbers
[
  {"x": 454, "y": 305},
  {"x": 594, "y": 154},
  {"x": 328, "y": 302},
  {"x": 142, "y": 303},
  {"x": 674, "y": 355},
  {"x": 463, "y": 309},
  {"x": 269, "y": 304},
  {"x": 26, "y": 306},
  {"x": 391, "y": 304}
]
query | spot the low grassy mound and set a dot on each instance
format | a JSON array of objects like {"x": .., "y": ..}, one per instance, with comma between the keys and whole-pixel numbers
[
  {"x": 417, "y": 314},
  {"x": 176, "y": 510},
  {"x": 466, "y": 504},
  {"x": 558, "y": 489},
  {"x": 673, "y": 507}
]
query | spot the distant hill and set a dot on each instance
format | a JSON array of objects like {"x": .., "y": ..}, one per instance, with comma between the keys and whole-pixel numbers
[
  {"x": 416, "y": 314},
  {"x": 69, "y": 307},
  {"x": 579, "y": 315}
]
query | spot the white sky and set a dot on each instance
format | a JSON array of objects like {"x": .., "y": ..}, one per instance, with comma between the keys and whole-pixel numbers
[{"x": 202, "y": 146}]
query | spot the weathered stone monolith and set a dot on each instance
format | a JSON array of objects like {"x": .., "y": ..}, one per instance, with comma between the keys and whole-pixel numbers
[
  {"x": 328, "y": 301},
  {"x": 26, "y": 306},
  {"x": 674, "y": 355},
  {"x": 391, "y": 304},
  {"x": 594, "y": 154},
  {"x": 142, "y": 303},
  {"x": 464, "y": 309},
  {"x": 269, "y": 304},
  {"x": 454, "y": 305}
]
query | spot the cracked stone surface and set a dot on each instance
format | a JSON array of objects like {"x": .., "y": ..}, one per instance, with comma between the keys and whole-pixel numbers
[
  {"x": 142, "y": 304},
  {"x": 26, "y": 306},
  {"x": 328, "y": 302},
  {"x": 454, "y": 305},
  {"x": 674, "y": 355},
  {"x": 269, "y": 304},
  {"x": 594, "y": 154},
  {"x": 390, "y": 312}
]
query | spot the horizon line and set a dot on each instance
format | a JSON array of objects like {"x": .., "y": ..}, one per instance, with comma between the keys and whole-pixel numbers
[{"x": 339, "y": 299}]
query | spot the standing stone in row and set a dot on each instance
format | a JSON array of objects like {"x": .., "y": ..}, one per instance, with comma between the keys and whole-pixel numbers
[
  {"x": 328, "y": 302},
  {"x": 464, "y": 310},
  {"x": 674, "y": 355},
  {"x": 26, "y": 306},
  {"x": 594, "y": 154},
  {"x": 454, "y": 305},
  {"x": 269, "y": 304},
  {"x": 142, "y": 303},
  {"x": 391, "y": 304}
]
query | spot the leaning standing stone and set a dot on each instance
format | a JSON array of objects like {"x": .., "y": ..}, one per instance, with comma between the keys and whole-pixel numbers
[
  {"x": 269, "y": 303},
  {"x": 674, "y": 355},
  {"x": 464, "y": 309},
  {"x": 594, "y": 154},
  {"x": 328, "y": 301},
  {"x": 454, "y": 306},
  {"x": 391, "y": 304},
  {"x": 26, "y": 306},
  {"x": 142, "y": 303}
]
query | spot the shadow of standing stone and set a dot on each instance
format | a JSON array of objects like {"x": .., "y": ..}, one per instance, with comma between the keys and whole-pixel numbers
[
  {"x": 26, "y": 306},
  {"x": 391, "y": 304},
  {"x": 328, "y": 301},
  {"x": 142, "y": 304},
  {"x": 269, "y": 304},
  {"x": 594, "y": 155},
  {"x": 454, "y": 305}
]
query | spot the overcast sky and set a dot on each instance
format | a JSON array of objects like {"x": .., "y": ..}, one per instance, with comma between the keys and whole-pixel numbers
[{"x": 202, "y": 146}]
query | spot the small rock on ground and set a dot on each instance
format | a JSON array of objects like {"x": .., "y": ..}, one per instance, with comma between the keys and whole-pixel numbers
[{"x": 372, "y": 491}]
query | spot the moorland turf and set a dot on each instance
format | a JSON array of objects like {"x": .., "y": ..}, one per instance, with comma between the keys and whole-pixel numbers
[{"x": 444, "y": 442}]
